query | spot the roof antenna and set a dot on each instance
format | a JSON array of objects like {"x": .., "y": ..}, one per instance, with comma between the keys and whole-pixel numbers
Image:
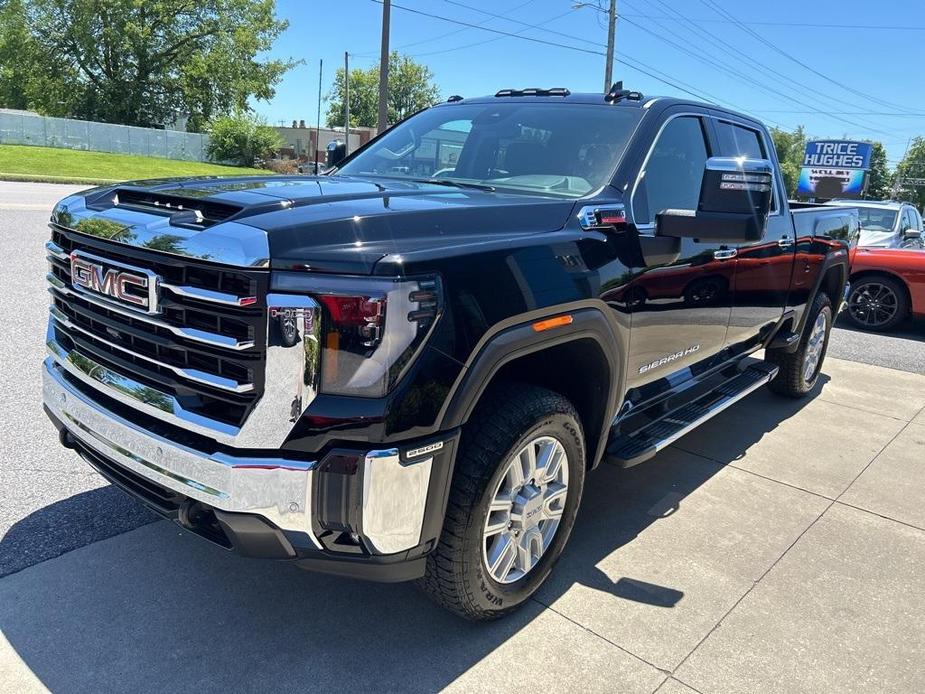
[{"x": 618, "y": 93}]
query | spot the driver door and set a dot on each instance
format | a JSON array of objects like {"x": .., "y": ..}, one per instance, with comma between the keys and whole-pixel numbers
[{"x": 679, "y": 309}]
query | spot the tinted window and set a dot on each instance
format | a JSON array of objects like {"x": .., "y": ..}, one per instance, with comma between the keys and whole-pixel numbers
[
  {"x": 674, "y": 171},
  {"x": 559, "y": 149},
  {"x": 735, "y": 141}
]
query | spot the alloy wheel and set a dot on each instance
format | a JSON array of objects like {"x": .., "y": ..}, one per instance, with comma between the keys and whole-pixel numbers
[
  {"x": 526, "y": 509},
  {"x": 873, "y": 304},
  {"x": 814, "y": 347}
]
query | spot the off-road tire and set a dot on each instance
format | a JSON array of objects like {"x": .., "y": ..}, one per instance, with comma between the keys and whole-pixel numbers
[
  {"x": 789, "y": 380},
  {"x": 509, "y": 416}
]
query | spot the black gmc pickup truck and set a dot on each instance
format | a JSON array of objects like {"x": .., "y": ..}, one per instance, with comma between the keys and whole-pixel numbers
[{"x": 406, "y": 369}]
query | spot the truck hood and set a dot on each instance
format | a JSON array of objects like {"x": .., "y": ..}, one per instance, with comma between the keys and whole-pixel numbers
[{"x": 326, "y": 224}]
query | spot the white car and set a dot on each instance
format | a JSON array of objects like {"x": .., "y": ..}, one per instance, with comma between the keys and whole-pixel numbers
[{"x": 887, "y": 224}]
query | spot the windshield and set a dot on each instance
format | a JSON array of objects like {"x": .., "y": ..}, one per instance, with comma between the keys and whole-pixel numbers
[
  {"x": 876, "y": 219},
  {"x": 559, "y": 149}
]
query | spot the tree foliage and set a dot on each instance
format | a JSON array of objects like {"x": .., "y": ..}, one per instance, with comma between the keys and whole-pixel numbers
[
  {"x": 411, "y": 88},
  {"x": 138, "y": 62},
  {"x": 913, "y": 166},
  {"x": 879, "y": 178},
  {"x": 790, "y": 146},
  {"x": 242, "y": 138},
  {"x": 15, "y": 45}
]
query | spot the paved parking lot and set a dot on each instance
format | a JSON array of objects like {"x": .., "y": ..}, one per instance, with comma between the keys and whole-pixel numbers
[{"x": 778, "y": 548}]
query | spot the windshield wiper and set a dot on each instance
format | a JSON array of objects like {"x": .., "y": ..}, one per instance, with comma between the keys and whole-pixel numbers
[{"x": 454, "y": 184}]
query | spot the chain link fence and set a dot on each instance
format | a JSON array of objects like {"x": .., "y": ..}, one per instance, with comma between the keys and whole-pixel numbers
[{"x": 29, "y": 129}]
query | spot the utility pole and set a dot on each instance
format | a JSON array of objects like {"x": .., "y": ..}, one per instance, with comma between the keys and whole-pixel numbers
[
  {"x": 346, "y": 102},
  {"x": 611, "y": 39},
  {"x": 318, "y": 122},
  {"x": 384, "y": 68},
  {"x": 611, "y": 35},
  {"x": 897, "y": 180}
]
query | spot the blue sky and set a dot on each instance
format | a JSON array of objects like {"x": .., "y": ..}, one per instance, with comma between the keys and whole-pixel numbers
[{"x": 865, "y": 76}]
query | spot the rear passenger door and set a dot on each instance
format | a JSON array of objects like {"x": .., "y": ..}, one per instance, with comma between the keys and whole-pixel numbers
[{"x": 763, "y": 269}]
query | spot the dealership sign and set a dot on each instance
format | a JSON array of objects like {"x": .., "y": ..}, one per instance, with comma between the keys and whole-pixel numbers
[{"x": 834, "y": 169}]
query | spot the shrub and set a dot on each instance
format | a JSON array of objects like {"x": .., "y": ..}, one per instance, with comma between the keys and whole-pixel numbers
[{"x": 242, "y": 138}]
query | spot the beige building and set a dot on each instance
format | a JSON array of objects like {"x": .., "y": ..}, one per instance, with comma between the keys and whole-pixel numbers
[{"x": 300, "y": 140}]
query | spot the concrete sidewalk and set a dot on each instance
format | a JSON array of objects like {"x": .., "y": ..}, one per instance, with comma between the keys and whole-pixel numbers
[{"x": 778, "y": 549}]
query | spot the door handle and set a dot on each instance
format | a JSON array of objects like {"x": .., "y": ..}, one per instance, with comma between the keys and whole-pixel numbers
[
  {"x": 725, "y": 254},
  {"x": 785, "y": 242}
]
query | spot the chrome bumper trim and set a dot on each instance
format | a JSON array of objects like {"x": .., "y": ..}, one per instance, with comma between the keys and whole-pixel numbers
[
  {"x": 394, "y": 500},
  {"x": 276, "y": 489}
]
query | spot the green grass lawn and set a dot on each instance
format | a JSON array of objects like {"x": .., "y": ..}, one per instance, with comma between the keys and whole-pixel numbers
[{"x": 19, "y": 162}]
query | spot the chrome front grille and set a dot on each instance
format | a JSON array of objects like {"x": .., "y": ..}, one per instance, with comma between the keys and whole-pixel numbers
[{"x": 205, "y": 350}]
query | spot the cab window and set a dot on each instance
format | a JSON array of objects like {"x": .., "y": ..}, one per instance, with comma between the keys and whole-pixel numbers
[
  {"x": 738, "y": 141},
  {"x": 674, "y": 171}
]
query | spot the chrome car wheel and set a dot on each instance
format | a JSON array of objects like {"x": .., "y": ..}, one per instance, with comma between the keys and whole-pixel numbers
[
  {"x": 814, "y": 347},
  {"x": 525, "y": 509},
  {"x": 873, "y": 304}
]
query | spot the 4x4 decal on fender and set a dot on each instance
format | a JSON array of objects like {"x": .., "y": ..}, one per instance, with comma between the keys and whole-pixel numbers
[{"x": 667, "y": 359}]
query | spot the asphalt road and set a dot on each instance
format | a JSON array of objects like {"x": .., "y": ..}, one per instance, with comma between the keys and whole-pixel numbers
[{"x": 50, "y": 501}]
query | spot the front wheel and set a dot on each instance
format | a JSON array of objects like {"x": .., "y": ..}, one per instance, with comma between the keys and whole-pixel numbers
[
  {"x": 800, "y": 370},
  {"x": 516, "y": 490}
]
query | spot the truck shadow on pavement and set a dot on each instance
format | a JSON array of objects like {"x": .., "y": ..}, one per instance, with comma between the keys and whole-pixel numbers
[{"x": 158, "y": 609}]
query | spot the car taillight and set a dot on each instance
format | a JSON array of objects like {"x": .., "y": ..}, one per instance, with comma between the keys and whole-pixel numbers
[{"x": 371, "y": 328}]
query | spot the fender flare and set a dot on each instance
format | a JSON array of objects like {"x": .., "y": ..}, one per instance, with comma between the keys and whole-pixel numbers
[
  {"x": 515, "y": 339},
  {"x": 837, "y": 258}
]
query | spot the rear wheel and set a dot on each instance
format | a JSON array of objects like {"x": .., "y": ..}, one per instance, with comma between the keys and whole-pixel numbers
[
  {"x": 516, "y": 490},
  {"x": 799, "y": 370},
  {"x": 877, "y": 303}
]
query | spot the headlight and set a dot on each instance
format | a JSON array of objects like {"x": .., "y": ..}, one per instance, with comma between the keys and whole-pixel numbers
[{"x": 371, "y": 328}]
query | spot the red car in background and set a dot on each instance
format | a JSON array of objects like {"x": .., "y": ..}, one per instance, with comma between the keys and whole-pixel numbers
[{"x": 887, "y": 285}]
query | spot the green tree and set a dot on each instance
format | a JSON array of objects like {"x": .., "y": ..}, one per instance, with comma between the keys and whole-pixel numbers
[
  {"x": 411, "y": 88},
  {"x": 913, "y": 166},
  {"x": 879, "y": 179},
  {"x": 242, "y": 138},
  {"x": 790, "y": 146},
  {"x": 15, "y": 48},
  {"x": 148, "y": 63}
]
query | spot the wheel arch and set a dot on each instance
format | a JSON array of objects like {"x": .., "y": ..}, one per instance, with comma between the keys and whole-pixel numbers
[{"x": 593, "y": 381}]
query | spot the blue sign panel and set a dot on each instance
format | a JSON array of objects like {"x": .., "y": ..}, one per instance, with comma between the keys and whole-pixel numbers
[
  {"x": 837, "y": 154},
  {"x": 831, "y": 183},
  {"x": 834, "y": 169}
]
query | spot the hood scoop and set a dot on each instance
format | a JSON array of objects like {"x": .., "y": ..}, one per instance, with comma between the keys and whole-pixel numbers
[{"x": 181, "y": 210}]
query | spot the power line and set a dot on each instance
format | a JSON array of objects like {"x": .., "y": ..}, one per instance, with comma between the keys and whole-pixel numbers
[
  {"x": 622, "y": 61},
  {"x": 459, "y": 31},
  {"x": 700, "y": 93},
  {"x": 497, "y": 38},
  {"x": 777, "y": 49},
  {"x": 787, "y": 80},
  {"x": 713, "y": 38},
  {"x": 725, "y": 67},
  {"x": 810, "y": 25}
]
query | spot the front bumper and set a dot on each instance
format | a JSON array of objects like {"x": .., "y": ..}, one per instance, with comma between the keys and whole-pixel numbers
[{"x": 348, "y": 509}]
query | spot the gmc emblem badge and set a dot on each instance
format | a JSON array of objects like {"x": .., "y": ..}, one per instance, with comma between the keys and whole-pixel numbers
[{"x": 128, "y": 285}]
